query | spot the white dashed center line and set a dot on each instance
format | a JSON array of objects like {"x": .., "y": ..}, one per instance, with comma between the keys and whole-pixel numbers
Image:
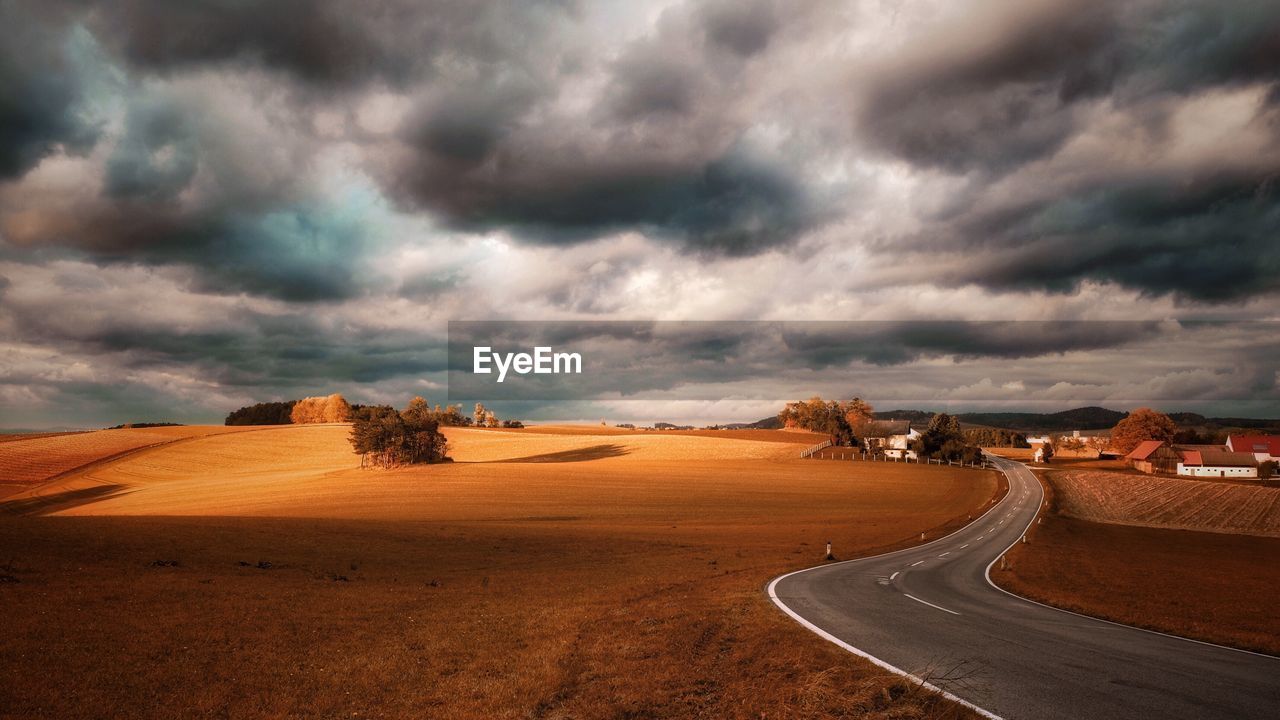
[{"x": 936, "y": 607}]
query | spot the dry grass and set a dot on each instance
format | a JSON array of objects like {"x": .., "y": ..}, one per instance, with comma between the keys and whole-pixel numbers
[
  {"x": 1209, "y": 586},
  {"x": 593, "y": 578},
  {"x": 789, "y": 435},
  {"x": 1165, "y": 502},
  {"x": 29, "y": 460},
  {"x": 1022, "y": 454}
]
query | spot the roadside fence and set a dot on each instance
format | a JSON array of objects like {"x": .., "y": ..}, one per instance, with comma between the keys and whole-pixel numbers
[{"x": 826, "y": 451}]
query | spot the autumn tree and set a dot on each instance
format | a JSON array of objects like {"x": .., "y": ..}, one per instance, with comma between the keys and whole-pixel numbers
[
  {"x": 820, "y": 416},
  {"x": 387, "y": 438},
  {"x": 331, "y": 409},
  {"x": 1141, "y": 425},
  {"x": 859, "y": 416}
]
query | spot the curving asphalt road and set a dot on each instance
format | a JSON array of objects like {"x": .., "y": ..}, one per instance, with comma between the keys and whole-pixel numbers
[{"x": 930, "y": 612}]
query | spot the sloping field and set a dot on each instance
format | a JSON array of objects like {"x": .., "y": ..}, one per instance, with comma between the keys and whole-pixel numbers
[
  {"x": 1210, "y": 586},
  {"x": 1173, "y": 503},
  {"x": 14, "y": 437},
  {"x": 792, "y": 435},
  {"x": 1023, "y": 454},
  {"x": 536, "y": 445},
  {"x": 27, "y": 461},
  {"x": 310, "y": 471},
  {"x": 550, "y": 576}
]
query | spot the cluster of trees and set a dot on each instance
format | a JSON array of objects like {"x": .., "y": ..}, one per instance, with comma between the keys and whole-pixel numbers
[
  {"x": 484, "y": 417},
  {"x": 267, "y": 413},
  {"x": 1141, "y": 425},
  {"x": 385, "y": 437},
  {"x": 335, "y": 408},
  {"x": 944, "y": 440},
  {"x": 995, "y": 437},
  {"x": 845, "y": 422},
  {"x": 331, "y": 409}
]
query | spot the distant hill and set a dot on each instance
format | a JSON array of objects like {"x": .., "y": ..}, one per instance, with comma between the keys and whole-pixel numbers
[
  {"x": 769, "y": 423},
  {"x": 1084, "y": 418}
]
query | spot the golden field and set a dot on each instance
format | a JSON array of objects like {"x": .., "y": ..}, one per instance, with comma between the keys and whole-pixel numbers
[
  {"x": 1215, "y": 586},
  {"x": 554, "y": 574},
  {"x": 27, "y": 460},
  {"x": 1168, "y": 502}
]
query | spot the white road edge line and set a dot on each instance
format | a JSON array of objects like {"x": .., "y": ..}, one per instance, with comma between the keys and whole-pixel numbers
[
  {"x": 1090, "y": 617},
  {"x": 773, "y": 595},
  {"x": 926, "y": 602}
]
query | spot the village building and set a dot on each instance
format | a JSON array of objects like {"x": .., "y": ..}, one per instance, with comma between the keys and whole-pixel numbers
[
  {"x": 1262, "y": 447},
  {"x": 1217, "y": 463},
  {"x": 893, "y": 438},
  {"x": 1153, "y": 456}
]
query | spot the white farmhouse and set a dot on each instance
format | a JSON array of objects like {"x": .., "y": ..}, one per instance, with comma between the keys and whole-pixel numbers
[
  {"x": 1217, "y": 464},
  {"x": 899, "y": 445}
]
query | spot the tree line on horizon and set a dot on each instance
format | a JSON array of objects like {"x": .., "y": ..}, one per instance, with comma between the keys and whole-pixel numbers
[{"x": 335, "y": 409}]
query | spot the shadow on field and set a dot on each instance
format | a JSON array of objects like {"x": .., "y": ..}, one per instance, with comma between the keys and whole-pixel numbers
[
  {"x": 595, "y": 452},
  {"x": 59, "y": 501}
]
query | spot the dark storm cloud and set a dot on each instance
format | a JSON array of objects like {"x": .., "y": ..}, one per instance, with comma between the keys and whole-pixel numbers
[
  {"x": 734, "y": 205},
  {"x": 157, "y": 157},
  {"x": 1003, "y": 87},
  {"x": 186, "y": 185},
  {"x": 42, "y": 97},
  {"x": 325, "y": 44},
  {"x": 186, "y": 182},
  {"x": 303, "y": 252},
  {"x": 1210, "y": 238},
  {"x": 250, "y": 350},
  {"x": 820, "y": 345},
  {"x": 743, "y": 27},
  {"x": 629, "y": 358},
  {"x": 1008, "y": 89},
  {"x": 658, "y": 152}
]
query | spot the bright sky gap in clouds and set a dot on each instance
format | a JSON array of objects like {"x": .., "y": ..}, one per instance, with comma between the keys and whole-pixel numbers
[{"x": 208, "y": 204}]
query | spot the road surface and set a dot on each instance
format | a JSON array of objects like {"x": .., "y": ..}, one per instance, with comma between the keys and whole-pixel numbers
[{"x": 931, "y": 612}]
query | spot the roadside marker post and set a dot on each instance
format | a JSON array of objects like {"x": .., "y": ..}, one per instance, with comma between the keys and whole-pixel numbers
[{"x": 829, "y": 555}]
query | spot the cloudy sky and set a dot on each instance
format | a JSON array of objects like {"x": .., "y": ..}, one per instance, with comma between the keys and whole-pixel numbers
[{"x": 207, "y": 204}]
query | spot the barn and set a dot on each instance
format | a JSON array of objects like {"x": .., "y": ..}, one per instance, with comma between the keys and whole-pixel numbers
[{"x": 1153, "y": 456}]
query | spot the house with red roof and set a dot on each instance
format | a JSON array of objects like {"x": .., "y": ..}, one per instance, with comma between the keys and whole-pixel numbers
[
  {"x": 1263, "y": 447},
  {"x": 1217, "y": 463},
  {"x": 1153, "y": 456}
]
